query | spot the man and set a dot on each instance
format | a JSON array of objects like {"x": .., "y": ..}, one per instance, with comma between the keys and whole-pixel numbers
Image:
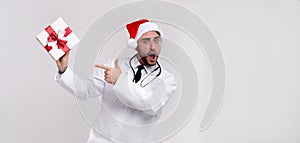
[{"x": 133, "y": 90}]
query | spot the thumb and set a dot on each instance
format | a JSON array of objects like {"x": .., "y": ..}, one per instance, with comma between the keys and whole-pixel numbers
[{"x": 117, "y": 64}]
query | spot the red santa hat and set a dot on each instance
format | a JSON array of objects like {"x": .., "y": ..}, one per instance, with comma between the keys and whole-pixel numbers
[{"x": 137, "y": 28}]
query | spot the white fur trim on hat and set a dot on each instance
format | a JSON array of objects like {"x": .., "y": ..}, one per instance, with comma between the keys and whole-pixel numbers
[{"x": 146, "y": 27}]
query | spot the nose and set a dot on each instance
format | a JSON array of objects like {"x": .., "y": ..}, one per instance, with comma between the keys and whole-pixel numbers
[{"x": 151, "y": 45}]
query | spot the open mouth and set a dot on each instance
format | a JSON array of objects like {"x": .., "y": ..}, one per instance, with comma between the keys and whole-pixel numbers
[{"x": 152, "y": 56}]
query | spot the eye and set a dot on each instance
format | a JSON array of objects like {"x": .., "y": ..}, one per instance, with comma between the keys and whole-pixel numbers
[
  {"x": 145, "y": 41},
  {"x": 157, "y": 40}
]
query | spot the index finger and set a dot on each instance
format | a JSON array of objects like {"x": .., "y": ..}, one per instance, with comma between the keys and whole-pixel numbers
[{"x": 102, "y": 67}]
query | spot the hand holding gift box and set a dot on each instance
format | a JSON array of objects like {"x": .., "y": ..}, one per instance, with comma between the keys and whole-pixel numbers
[{"x": 57, "y": 38}]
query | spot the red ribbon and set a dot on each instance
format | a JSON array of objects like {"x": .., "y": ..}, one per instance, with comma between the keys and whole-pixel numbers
[{"x": 53, "y": 36}]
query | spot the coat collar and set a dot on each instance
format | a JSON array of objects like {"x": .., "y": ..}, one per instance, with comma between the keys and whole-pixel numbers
[{"x": 135, "y": 63}]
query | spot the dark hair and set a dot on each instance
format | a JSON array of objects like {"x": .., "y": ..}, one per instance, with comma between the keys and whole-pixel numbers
[{"x": 157, "y": 33}]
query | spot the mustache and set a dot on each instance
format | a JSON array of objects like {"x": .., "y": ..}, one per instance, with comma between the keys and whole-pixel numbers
[{"x": 152, "y": 54}]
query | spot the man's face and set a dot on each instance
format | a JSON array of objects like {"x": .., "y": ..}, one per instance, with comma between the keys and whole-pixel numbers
[{"x": 149, "y": 48}]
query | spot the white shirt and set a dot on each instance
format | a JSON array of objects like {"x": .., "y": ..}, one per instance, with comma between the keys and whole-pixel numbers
[{"x": 127, "y": 109}]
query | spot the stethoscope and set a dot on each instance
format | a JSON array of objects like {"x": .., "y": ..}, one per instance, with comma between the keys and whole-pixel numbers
[{"x": 142, "y": 81}]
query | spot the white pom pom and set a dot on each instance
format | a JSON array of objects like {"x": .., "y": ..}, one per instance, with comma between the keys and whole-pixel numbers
[{"x": 132, "y": 43}]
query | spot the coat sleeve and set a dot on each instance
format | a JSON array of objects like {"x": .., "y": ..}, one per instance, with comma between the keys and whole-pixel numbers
[
  {"x": 81, "y": 88},
  {"x": 151, "y": 98}
]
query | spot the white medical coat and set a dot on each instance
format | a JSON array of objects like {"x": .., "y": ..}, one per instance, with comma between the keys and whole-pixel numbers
[{"x": 127, "y": 109}]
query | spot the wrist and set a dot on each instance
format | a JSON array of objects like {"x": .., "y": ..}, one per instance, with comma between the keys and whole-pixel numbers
[{"x": 61, "y": 71}]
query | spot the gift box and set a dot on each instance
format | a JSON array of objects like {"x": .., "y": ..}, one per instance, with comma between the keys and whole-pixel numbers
[{"x": 57, "y": 38}]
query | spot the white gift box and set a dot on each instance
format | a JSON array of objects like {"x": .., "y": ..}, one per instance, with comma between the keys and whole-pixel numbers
[{"x": 57, "y": 38}]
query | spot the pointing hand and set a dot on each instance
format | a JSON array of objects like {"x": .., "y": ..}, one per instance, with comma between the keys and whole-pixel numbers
[{"x": 111, "y": 74}]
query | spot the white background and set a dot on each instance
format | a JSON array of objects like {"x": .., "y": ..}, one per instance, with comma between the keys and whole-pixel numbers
[{"x": 260, "y": 44}]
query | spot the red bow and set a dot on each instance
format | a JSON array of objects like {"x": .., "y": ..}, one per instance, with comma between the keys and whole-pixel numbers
[{"x": 53, "y": 36}]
